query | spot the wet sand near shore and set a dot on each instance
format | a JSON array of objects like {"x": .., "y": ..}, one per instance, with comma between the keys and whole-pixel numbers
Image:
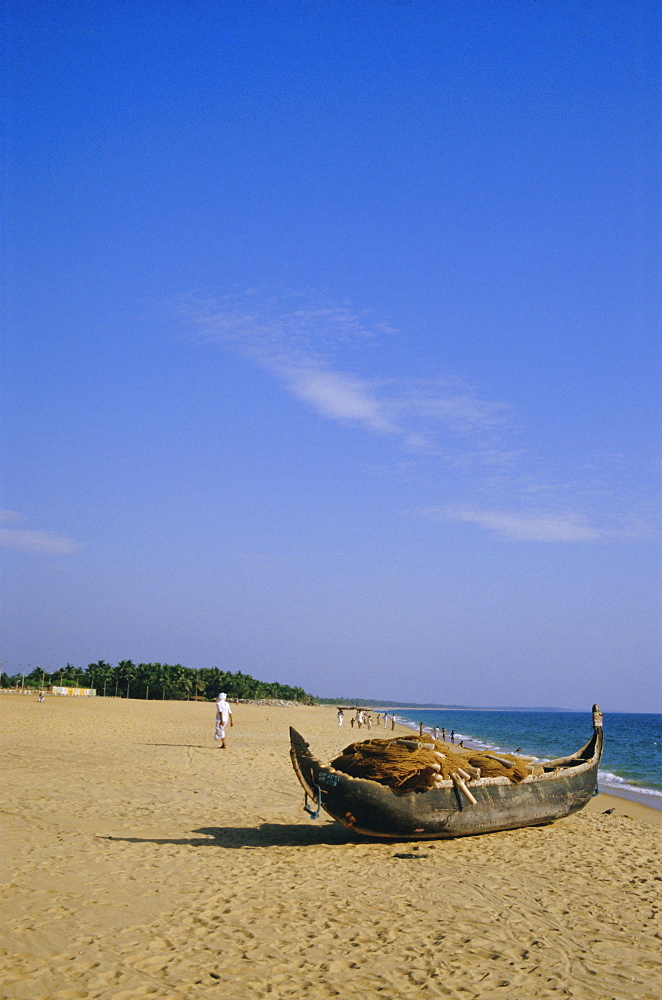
[{"x": 142, "y": 861}]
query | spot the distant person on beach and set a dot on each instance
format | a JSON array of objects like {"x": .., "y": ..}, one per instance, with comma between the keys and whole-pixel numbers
[
  {"x": 341, "y": 716},
  {"x": 452, "y": 736},
  {"x": 41, "y": 696},
  {"x": 351, "y": 722},
  {"x": 443, "y": 735},
  {"x": 435, "y": 733},
  {"x": 392, "y": 722},
  {"x": 223, "y": 716}
]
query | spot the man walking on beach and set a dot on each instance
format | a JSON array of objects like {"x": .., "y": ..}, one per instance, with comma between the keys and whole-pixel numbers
[{"x": 223, "y": 714}]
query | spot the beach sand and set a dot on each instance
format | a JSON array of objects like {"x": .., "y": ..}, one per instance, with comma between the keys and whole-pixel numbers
[{"x": 142, "y": 861}]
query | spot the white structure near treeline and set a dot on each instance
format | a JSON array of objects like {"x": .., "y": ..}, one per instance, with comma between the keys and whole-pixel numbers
[{"x": 73, "y": 692}]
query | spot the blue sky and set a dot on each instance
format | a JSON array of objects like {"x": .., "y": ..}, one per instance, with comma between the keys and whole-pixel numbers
[{"x": 332, "y": 349}]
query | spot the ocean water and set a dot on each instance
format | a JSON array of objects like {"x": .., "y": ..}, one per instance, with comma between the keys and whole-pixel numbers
[{"x": 631, "y": 761}]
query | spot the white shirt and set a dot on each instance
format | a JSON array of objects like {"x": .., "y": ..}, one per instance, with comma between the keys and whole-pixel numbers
[{"x": 223, "y": 711}]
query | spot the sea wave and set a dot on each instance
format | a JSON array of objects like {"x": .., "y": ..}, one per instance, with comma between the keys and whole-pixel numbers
[{"x": 614, "y": 782}]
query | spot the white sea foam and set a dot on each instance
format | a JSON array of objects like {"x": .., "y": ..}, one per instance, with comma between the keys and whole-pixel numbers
[{"x": 614, "y": 782}]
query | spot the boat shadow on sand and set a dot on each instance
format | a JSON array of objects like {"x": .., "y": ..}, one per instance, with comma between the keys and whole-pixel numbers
[{"x": 265, "y": 835}]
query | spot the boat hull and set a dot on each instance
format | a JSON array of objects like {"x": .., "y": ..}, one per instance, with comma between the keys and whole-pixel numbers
[{"x": 370, "y": 808}]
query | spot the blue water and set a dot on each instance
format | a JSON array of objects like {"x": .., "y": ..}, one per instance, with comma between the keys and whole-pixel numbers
[{"x": 631, "y": 762}]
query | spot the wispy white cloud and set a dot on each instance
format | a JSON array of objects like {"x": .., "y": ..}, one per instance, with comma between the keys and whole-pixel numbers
[
  {"x": 525, "y": 526},
  {"x": 340, "y": 396},
  {"x": 332, "y": 358},
  {"x": 33, "y": 540},
  {"x": 299, "y": 343}
]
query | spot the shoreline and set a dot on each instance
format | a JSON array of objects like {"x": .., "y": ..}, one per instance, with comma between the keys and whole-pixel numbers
[
  {"x": 624, "y": 807},
  {"x": 645, "y": 800}
]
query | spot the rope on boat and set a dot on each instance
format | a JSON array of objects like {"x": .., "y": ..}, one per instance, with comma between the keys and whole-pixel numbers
[{"x": 313, "y": 813}]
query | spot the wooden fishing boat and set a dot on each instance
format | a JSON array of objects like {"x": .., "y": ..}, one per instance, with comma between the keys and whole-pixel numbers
[{"x": 493, "y": 803}]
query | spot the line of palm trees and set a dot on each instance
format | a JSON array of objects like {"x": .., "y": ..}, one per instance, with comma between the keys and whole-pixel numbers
[{"x": 158, "y": 680}]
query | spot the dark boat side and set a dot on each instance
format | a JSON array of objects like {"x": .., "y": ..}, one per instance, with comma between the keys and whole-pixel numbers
[{"x": 376, "y": 810}]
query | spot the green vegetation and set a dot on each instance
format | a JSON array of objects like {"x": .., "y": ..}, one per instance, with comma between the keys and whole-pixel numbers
[{"x": 158, "y": 680}]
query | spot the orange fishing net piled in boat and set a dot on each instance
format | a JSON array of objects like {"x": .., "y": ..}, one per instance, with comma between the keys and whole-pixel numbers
[
  {"x": 390, "y": 762},
  {"x": 418, "y": 763}
]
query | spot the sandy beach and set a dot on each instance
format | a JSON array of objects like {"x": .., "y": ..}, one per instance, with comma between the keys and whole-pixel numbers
[{"x": 142, "y": 861}]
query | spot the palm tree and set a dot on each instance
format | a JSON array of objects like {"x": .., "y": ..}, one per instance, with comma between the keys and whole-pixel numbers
[
  {"x": 148, "y": 675},
  {"x": 182, "y": 681},
  {"x": 126, "y": 670},
  {"x": 165, "y": 672},
  {"x": 99, "y": 673}
]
